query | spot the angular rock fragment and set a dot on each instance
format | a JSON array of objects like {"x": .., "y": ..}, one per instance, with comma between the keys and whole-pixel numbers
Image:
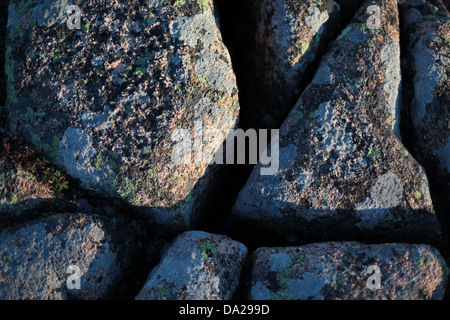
[
  {"x": 105, "y": 102},
  {"x": 197, "y": 266},
  {"x": 349, "y": 271},
  {"x": 428, "y": 71},
  {"x": 42, "y": 260},
  {"x": 343, "y": 173},
  {"x": 289, "y": 36}
]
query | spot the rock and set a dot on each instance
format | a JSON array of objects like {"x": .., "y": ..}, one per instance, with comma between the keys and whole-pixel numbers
[
  {"x": 24, "y": 196},
  {"x": 343, "y": 173},
  {"x": 105, "y": 102},
  {"x": 428, "y": 69},
  {"x": 197, "y": 266},
  {"x": 3, "y": 22},
  {"x": 42, "y": 259},
  {"x": 348, "y": 271},
  {"x": 439, "y": 4},
  {"x": 289, "y": 36}
]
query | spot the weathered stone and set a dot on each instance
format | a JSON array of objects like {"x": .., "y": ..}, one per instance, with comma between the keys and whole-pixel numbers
[
  {"x": 428, "y": 69},
  {"x": 289, "y": 36},
  {"x": 197, "y": 266},
  {"x": 342, "y": 271},
  {"x": 24, "y": 196},
  {"x": 344, "y": 174},
  {"x": 104, "y": 102},
  {"x": 36, "y": 258}
]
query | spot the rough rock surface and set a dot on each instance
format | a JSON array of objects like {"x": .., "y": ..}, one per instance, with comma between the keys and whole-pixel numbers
[
  {"x": 341, "y": 271},
  {"x": 23, "y": 195},
  {"x": 104, "y": 102},
  {"x": 197, "y": 266},
  {"x": 289, "y": 35},
  {"x": 428, "y": 68},
  {"x": 344, "y": 174},
  {"x": 35, "y": 258},
  {"x": 282, "y": 42}
]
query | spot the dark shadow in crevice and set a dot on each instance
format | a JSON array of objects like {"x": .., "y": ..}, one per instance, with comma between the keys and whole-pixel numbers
[{"x": 439, "y": 194}]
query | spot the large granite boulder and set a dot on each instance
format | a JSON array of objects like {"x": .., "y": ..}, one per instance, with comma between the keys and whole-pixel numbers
[
  {"x": 68, "y": 256},
  {"x": 349, "y": 271},
  {"x": 105, "y": 102},
  {"x": 197, "y": 266},
  {"x": 343, "y": 172}
]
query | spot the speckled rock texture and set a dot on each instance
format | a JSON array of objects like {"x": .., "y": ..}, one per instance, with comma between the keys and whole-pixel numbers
[
  {"x": 197, "y": 266},
  {"x": 288, "y": 38},
  {"x": 289, "y": 35},
  {"x": 35, "y": 258},
  {"x": 342, "y": 271},
  {"x": 344, "y": 174},
  {"x": 105, "y": 102},
  {"x": 24, "y": 196},
  {"x": 428, "y": 69}
]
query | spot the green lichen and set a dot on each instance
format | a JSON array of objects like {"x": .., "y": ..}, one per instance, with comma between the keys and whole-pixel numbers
[
  {"x": 13, "y": 198},
  {"x": 301, "y": 258},
  {"x": 374, "y": 153},
  {"x": 190, "y": 90},
  {"x": 98, "y": 161},
  {"x": 35, "y": 140},
  {"x": 319, "y": 2},
  {"x": 203, "y": 4},
  {"x": 285, "y": 275},
  {"x": 86, "y": 27},
  {"x": 9, "y": 71},
  {"x": 146, "y": 151},
  {"x": 295, "y": 118},
  {"x": 17, "y": 31},
  {"x": 151, "y": 174},
  {"x": 148, "y": 56},
  {"x": 200, "y": 79},
  {"x": 57, "y": 55},
  {"x": 420, "y": 262},
  {"x": 207, "y": 249},
  {"x": 417, "y": 195},
  {"x": 24, "y": 6},
  {"x": 55, "y": 145},
  {"x": 150, "y": 21},
  {"x": 127, "y": 189},
  {"x": 304, "y": 47},
  {"x": 179, "y": 3},
  {"x": 312, "y": 115},
  {"x": 165, "y": 292},
  {"x": 7, "y": 260},
  {"x": 140, "y": 71}
]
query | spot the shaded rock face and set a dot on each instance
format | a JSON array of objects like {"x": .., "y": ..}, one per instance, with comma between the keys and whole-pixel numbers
[
  {"x": 342, "y": 271},
  {"x": 344, "y": 174},
  {"x": 104, "y": 102},
  {"x": 23, "y": 195},
  {"x": 197, "y": 266},
  {"x": 35, "y": 259},
  {"x": 428, "y": 69},
  {"x": 289, "y": 35}
]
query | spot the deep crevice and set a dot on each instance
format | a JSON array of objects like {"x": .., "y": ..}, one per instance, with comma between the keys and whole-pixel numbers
[{"x": 438, "y": 193}]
